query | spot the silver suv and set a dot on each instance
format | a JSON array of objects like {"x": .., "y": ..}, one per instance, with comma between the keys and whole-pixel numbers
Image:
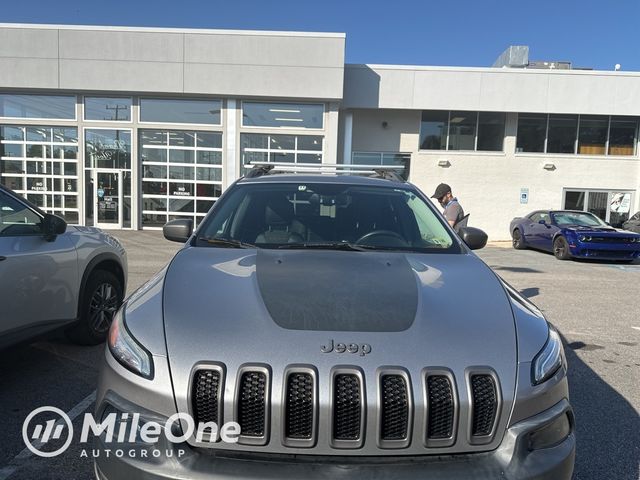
[
  {"x": 347, "y": 331},
  {"x": 55, "y": 276}
]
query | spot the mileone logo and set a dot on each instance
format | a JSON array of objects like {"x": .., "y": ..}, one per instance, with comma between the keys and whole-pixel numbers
[{"x": 122, "y": 430}]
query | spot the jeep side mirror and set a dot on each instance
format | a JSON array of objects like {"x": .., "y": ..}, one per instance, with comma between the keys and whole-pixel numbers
[
  {"x": 473, "y": 237},
  {"x": 52, "y": 226},
  {"x": 179, "y": 230}
]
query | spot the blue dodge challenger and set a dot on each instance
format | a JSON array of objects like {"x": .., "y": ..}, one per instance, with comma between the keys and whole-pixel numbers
[{"x": 569, "y": 234}]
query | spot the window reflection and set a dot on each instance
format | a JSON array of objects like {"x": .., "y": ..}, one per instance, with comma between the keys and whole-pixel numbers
[
  {"x": 287, "y": 115},
  {"x": 111, "y": 109}
]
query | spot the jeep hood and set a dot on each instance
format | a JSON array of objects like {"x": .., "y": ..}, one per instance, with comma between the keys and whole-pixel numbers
[{"x": 279, "y": 307}]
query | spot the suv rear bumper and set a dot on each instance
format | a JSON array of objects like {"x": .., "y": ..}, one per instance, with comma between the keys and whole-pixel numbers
[{"x": 512, "y": 460}]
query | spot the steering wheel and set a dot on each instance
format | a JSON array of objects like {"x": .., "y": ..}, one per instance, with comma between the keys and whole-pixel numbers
[{"x": 382, "y": 233}]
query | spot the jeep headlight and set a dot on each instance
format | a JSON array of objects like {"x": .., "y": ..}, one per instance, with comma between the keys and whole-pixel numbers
[
  {"x": 126, "y": 349},
  {"x": 548, "y": 360}
]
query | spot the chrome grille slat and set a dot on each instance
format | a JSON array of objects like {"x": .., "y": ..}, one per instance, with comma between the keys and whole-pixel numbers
[
  {"x": 395, "y": 408},
  {"x": 346, "y": 417},
  {"x": 484, "y": 406},
  {"x": 348, "y": 408},
  {"x": 299, "y": 407},
  {"x": 252, "y": 404},
  {"x": 206, "y": 394},
  {"x": 441, "y": 407}
]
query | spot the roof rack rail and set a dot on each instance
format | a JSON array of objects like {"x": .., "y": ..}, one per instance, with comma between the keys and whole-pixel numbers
[{"x": 387, "y": 172}]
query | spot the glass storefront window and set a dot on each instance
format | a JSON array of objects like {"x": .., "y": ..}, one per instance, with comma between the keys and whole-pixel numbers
[
  {"x": 107, "y": 148},
  {"x": 282, "y": 115},
  {"x": 41, "y": 164},
  {"x": 181, "y": 172},
  {"x": 623, "y": 135},
  {"x": 592, "y": 138},
  {"x": 490, "y": 131},
  {"x": 110, "y": 109},
  {"x": 61, "y": 107},
  {"x": 434, "y": 130},
  {"x": 384, "y": 158},
  {"x": 258, "y": 147},
  {"x": 532, "y": 130},
  {"x": 462, "y": 130},
  {"x": 592, "y": 132},
  {"x": 561, "y": 137},
  {"x": 164, "y": 110}
]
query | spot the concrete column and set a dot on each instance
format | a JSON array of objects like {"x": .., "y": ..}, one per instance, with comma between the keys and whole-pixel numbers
[
  {"x": 348, "y": 133},
  {"x": 230, "y": 157},
  {"x": 331, "y": 135}
]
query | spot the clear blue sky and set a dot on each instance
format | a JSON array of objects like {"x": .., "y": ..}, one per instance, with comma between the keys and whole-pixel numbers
[{"x": 589, "y": 33}]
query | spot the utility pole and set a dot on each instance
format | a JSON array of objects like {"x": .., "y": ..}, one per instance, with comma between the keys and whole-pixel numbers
[{"x": 117, "y": 109}]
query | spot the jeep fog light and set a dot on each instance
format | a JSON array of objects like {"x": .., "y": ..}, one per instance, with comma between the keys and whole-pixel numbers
[
  {"x": 126, "y": 349},
  {"x": 552, "y": 434},
  {"x": 549, "y": 360}
]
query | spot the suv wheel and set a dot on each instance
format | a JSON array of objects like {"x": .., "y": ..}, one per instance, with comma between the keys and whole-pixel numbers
[
  {"x": 102, "y": 298},
  {"x": 518, "y": 241},
  {"x": 561, "y": 249}
]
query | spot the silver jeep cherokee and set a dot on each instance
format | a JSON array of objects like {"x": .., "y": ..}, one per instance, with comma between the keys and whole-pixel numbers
[{"x": 348, "y": 331}]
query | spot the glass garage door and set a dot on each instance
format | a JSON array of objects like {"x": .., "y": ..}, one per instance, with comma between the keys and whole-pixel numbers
[
  {"x": 261, "y": 147},
  {"x": 41, "y": 163},
  {"x": 181, "y": 174}
]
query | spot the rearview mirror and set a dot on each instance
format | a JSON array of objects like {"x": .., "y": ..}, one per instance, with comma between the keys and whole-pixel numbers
[
  {"x": 52, "y": 226},
  {"x": 473, "y": 237},
  {"x": 179, "y": 230}
]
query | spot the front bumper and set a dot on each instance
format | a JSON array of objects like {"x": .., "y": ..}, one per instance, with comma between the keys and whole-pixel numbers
[
  {"x": 512, "y": 460},
  {"x": 604, "y": 251}
]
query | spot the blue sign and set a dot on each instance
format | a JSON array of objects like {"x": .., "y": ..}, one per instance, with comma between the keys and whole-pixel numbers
[
  {"x": 100, "y": 192},
  {"x": 524, "y": 195}
]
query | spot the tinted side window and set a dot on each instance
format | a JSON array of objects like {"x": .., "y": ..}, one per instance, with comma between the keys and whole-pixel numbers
[
  {"x": 17, "y": 219},
  {"x": 535, "y": 218}
]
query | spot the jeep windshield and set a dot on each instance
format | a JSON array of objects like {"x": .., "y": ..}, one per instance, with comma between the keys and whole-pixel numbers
[{"x": 325, "y": 216}]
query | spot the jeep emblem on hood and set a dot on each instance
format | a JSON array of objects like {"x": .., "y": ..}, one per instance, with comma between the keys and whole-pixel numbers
[{"x": 362, "y": 349}]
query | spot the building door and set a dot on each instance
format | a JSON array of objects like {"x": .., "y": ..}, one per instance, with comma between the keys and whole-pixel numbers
[
  {"x": 612, "y": 206},
  {"x": 107, "y": 198}
]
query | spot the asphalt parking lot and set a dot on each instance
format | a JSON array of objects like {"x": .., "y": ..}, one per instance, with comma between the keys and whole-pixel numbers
[{"x": 595, "y": 306}]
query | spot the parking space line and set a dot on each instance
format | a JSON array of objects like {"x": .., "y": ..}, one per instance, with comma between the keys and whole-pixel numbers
[
  {"x": 47, "y": 347},
  {"x": 19, "y": 460}
]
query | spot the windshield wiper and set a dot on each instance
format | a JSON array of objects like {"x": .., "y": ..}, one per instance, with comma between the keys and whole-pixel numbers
[
  {"x": 328, "y": 246},
  {"x": 225, "y": 242}
]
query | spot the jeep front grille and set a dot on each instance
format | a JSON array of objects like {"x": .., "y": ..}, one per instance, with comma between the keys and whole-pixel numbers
[
  {"x": 348, "y": 409},
  {"x": 394, "y": 407},
  {"x": 484, "y": 404},
  {"x": 430, "y": 403},
  {"x": 206, "y": 394},
  {"x": 441, "y": 409},
  {"x": 252, "y": 405},
  {"x": 300, "y": 406}
]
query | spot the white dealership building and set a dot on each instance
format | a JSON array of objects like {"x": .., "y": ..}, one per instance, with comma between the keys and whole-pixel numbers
[{"x": 130, "y": 127}]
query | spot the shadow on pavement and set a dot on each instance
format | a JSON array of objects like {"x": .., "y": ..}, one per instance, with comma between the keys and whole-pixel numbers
[
  {"x": 607, "y": 426},
  {"x": 516, "y": 269},
  {"x": 530, "y": 292}
]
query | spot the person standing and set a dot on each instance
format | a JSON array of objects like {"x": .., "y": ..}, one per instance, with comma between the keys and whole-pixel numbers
[{"x": 453, "y": 211}]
